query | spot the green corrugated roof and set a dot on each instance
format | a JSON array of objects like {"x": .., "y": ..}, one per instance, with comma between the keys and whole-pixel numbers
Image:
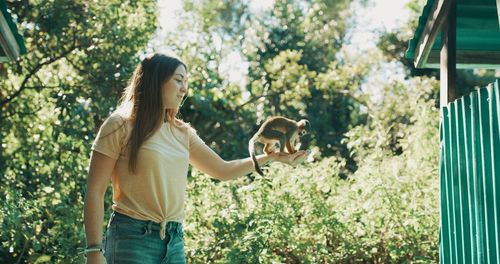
[
  {"x": 410, "y": 53},
  {"x": 12, "y": 26},
  {"x": 477, "y": 27}
]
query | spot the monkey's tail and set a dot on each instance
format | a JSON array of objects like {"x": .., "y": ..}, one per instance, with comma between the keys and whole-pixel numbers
[{"x": 251, "y": 149}]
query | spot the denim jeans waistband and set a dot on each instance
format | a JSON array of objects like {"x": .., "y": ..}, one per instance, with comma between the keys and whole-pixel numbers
[{"x": 169, "y": 226}]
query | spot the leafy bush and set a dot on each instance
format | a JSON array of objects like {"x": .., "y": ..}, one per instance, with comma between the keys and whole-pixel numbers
[{"x": 386, "y": 212}]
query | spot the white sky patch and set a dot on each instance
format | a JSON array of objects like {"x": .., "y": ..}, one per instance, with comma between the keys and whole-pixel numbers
[
  {"x": 168, "y": 21},
  {"x": 379, "y": 15},
  {"x": 234, "y": 66},
  {"x": 167, "y": 18},
  {"x": 235, "y": 69},
  {"x": 260, "y": 5},
  {"x": 168, "y": 8},
  {"x": 387, "y": 14}
]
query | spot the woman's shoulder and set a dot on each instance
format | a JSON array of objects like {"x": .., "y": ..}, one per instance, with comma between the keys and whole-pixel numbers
[
  {"x": 181, "y": 124},
  {"x": 115, "y": 122},
  {"x": 185, "y": 128},
  {"x": 114, "y": 119},
  {"x": 192, "y": 134}
]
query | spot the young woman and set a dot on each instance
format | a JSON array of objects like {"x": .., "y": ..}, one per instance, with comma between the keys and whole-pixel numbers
[{"x": 145, "y": 151}]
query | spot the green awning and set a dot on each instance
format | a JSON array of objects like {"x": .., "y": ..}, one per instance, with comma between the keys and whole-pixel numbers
[
  {"x": 11, "y": 42},
  {"x": 478, "y": 35}
]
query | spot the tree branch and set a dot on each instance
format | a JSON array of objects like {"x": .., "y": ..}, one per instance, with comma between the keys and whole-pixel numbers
[
  {"x": 257, "y": 98},
  {"x": 24, "y": 113},
  {"x": 33, "y": 73},
  {"x": 80, "y": 69},
  {"x": 40, "y": 87}
]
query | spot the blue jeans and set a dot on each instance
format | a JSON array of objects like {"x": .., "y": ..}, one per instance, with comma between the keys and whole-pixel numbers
[{"x": 129, "y": 241}]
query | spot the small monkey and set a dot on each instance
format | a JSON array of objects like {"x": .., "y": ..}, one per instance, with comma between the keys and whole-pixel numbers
[{"x": 277, "y": 129}]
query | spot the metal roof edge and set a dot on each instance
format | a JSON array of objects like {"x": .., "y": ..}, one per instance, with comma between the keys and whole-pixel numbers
[
  {"x": 422, "y": 21},
  {"x": 13, "y": 27}
]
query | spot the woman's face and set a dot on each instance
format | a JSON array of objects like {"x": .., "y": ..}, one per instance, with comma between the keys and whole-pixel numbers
[{"x": 175, "y": 89}]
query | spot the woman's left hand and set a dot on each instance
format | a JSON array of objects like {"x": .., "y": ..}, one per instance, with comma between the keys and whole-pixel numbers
[{"x": 291, "y": 159}]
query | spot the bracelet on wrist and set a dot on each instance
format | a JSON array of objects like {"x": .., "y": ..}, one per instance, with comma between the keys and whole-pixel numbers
[{"x": 93, "y": 248}]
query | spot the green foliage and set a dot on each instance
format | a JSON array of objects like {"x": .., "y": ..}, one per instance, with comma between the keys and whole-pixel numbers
[
  {"x": 80, "y": 55},
  {"x": 390, "y": 118},
  {"x": 291, "y": 49},
  {"x": 387, "y": 212},
  {"x": 267, "y": 220}
]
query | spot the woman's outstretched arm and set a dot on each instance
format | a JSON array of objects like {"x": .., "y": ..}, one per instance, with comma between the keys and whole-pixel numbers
[{"x": 206, "y": 160}]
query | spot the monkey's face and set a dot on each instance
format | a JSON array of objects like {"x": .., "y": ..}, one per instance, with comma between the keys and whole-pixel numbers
[{"x": 302, "y": 126}]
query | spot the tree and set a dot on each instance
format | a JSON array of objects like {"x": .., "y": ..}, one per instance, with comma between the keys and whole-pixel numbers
[
  {"x": 290, "y": 49},
  {"x": 52, "y": 100}
]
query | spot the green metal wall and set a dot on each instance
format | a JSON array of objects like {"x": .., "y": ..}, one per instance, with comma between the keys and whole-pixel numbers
[{"x": 470, "y": 178}]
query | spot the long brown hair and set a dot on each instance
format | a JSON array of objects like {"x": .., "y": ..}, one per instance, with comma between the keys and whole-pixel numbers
[{"x": 142, "y": 101}]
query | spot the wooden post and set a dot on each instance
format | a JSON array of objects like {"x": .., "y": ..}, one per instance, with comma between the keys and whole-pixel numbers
[{"x": 449, "y": 56}]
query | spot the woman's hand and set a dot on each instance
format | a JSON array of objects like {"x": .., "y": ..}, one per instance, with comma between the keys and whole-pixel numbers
[
  {"x": 291, "y": 159},
  {"x": 95, "y": 258}
]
